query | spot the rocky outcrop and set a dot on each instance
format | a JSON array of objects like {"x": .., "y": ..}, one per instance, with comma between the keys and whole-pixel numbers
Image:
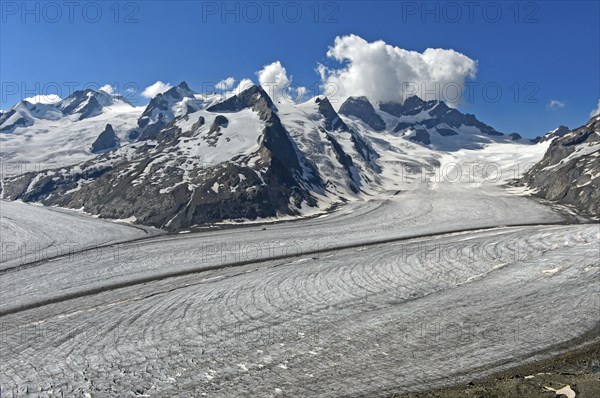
[
  {"x": 569, "y": 172},
  {"x": 333, "y": 122},
  {"x": 514, "y": 136},
  {"x": 106, "y": 141},
  {"x": 421, "y": 136},
  {"x": 86, "y": 103},
  {"x": 558, "y": 132},
  {"x": 163, "y": 108},
  {"x": 434, "y": 115},
  {"x": 10, "y": 120},
  {"x": 361, "y": 108}
]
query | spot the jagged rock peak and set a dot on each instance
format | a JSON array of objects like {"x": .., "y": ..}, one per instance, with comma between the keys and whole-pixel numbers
[
  {"x": 333, "y": 121},
  {"x": 361, "y": 108},
  {"x": 107, "y": 140},
  {"x": 253, "y": 97}
]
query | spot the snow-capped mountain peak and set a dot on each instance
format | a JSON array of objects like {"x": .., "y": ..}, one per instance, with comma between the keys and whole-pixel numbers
[
  {"x": 206, "y": 158},
  {"x": 164, "y": 107},
  {"x": 81, "y": 104}
]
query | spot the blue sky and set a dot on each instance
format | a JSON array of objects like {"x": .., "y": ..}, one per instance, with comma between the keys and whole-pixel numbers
[{"x": 543, "y": 51}]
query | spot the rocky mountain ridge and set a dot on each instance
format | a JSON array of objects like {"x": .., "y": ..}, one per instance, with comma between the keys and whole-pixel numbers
[
  {"x": 190, "y": 159},
  {"x": 569, "y": 172}
]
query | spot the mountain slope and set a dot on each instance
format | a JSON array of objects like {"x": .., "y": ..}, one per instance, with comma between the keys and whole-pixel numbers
[
  {"x": 41, "y": 136},
  {"x": 189, "y": 159},
  {"x": 569, "y": 173},
  {"x": 430, "y": 123},
  {"x": 175, "y": 102},
  {"x": 233, "y": 160}
]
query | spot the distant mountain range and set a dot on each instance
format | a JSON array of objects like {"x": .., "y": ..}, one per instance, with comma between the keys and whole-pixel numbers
[{"x": 188, "y": 159}]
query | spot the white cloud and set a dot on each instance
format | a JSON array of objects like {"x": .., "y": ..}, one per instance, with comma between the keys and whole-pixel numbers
[
  {"x": 107, "y": 88},
  {"x": 244, "y": 84},
  {"x": 225, "y": 84},
  {"x": 383, "y": 72},
  {"x": 155, "y": 89},
  {"x": 274, "y": 80},
  {"x": 555, "y": 105},
  {"x": 43, "y": 99},
  {"x": 300, "y": 92},
  {"x": 596, "y": 111}
]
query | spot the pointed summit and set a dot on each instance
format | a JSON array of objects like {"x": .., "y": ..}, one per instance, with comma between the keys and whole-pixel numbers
[
  {"x": 253, "y": 97},
  {"x": 332, "y": 119},
  {"x": 106, "y": 141},
  {"x": 184, "y": 86},
  {"x": 361, "y": 108}
]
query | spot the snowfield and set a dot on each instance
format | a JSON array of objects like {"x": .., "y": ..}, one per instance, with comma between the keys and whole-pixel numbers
[
  {"x": 65, "y": 141},
  {"x": 437, "y": 285}
]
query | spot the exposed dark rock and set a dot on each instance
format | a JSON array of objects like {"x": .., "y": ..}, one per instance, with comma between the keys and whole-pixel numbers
[
  {"x": 158, "y": 113},
  {"x": 344, "y": 159},
  {"x": 569, "y": 172},
  {"x": 333, "y": 121},
  {"x": 87, "y": 103},
  {"x": 446, "y": 132},
  {"x": 536, "y": 139},
  {"x": 133, "y": 135},
  {"x": 421, "y": 136},
  {"x": 9, "y": 128},
  {"x": 515, "y": 136},
  {"x": 361, "y": 108},
  {"x": 559, "y": 132},
  {"x": 436, "y": 113},
  {"x": 220, "y": 121},
  {"x": 156, "y": 192},
  {"x": 214, "y": 132},
  {"x": 151, "y": 131},
  {"x": 254, "y": 98},
  {"x": 402, "y": 126},
  {"x": 107, "y": 140},
  {"x": 411, "y": 106},
  {"x": 195, "y": 127}
]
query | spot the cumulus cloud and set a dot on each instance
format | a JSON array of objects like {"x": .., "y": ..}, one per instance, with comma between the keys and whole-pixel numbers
[
  {"x": 225, "y": 84},
  {"x": 383, "y": 72},
  {"x": 274, "y": 80},
  {"x": 107, "y": 88},
  {"x": 555, "y": 105},
  {"x": 596, "y": 111},
  {"x": 44, "y": 99},
  {"x": 155, "y": 89}
]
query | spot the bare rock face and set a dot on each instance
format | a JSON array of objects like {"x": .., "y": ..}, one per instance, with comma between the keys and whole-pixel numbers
[
  {"x": 333, "y": 122},
  {"x": 569, "y": 173},
  {"x": 361, "y": 108},
  {"x": 434, "y": 116},
  {"x": 558, "y": 132},
  {"x": 421, "y": 136},
  {"x": 106, "y": 141},
  {"x": 159, "y": 111},
  {"x": 515, "y": 136}
]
